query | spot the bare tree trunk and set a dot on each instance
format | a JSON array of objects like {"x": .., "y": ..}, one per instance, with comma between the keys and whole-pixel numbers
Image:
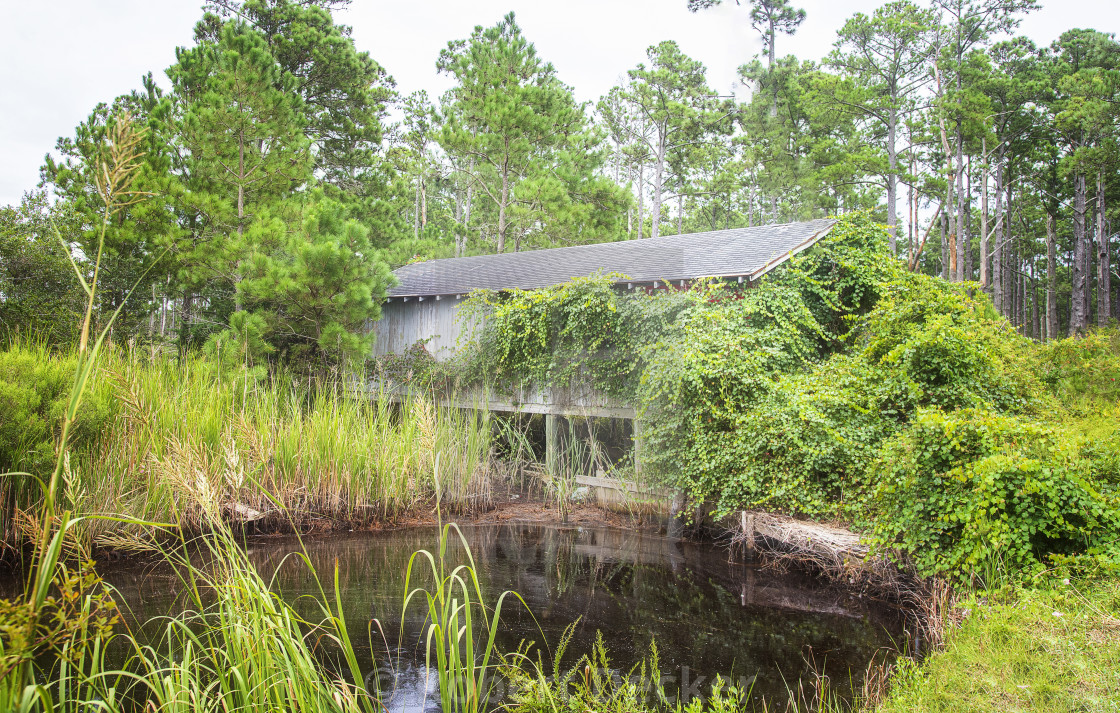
[
  {"x": 771, "y": 56},
  {"x": 1035, "y": 328},
  {"x": 911, "y": 209},
  {"x": 958, "y": 178},
  {"x": 1078, "y": 318},
  {"x": 945, "y": 244},
  {"x": 416, "y": 212},
  {"x": 1104, "y": 261},
  {"x": 997, "y": 242},
  {"x": 502, "y": 211},
  {"x": 641, "y": 201},
  {"x": 658, "y": 174},
  {"x": 1009, "y": 259},
  {"x": 630, "y": 211},
  {"x": 774, "y": 209},
  {"x": 968, "y": 271},
  {"x": 458, "y": 222},
  {"x": 163, "y": 309},
  {"x": 680, "y": 214},
  {"x": 1051, "y": 279},
  {"x": 892, "y": 181},
  {"x": 984, "y": 276},
  {"x": 423, "y": 202}
]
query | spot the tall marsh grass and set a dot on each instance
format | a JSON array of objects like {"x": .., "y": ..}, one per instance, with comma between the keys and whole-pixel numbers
[{"x": 157, "y": 436}]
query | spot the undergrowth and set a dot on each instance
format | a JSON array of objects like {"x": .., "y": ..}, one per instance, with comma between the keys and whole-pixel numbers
[{"x": 158, "y": 436}]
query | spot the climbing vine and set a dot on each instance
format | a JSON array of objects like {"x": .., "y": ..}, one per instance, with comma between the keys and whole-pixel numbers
[{"x": 829, "y": 389}]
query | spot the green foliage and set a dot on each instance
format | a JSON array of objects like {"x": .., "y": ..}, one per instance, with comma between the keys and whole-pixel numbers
[
  {"x": 1053, "y": 647},
  {"x": 1083, "y": 373},
  {"x": 819, "y": 392},
  {"x": 593, "y": 685},
  {"x": 951, "y": 348},
  {"x": 461, "y": 629},
  {"x": 735, "y": 413},
  {"x": 553, "y": 335},
  {"x": 522, "y": 140},
  {"x": 34, "y": 394},
  {"x": 156, "y": 437},
  {"x": 959, "y": 490},
  {"x": 318, "y": 287},
  {"x": 40, "y": 297}
]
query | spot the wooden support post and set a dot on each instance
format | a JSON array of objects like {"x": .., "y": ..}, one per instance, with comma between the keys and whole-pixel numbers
[
  {"x": 551, "y": 444},
  {"x": 747, "y": 521},
  {"x": 636, "y": 436}
]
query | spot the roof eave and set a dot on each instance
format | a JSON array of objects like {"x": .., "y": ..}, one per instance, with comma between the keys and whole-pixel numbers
[{"x": 810, "y": 242}]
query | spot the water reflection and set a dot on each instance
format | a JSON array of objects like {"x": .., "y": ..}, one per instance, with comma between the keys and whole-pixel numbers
[{"x": 708, "y": 615}]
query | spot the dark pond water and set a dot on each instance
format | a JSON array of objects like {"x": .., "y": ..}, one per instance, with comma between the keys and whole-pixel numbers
[{"x": 707, "y": 614}]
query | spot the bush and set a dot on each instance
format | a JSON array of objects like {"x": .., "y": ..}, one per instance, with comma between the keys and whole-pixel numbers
[
  {"x": 947, "y": 342},
  {"x": 962, "y": 490},
  {"x": 34, "y": 391},
  {"x": 1084, "y": 372}
]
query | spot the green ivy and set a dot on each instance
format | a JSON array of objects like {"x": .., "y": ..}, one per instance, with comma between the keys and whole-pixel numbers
[
  {"x": 841, "y": 386},
  {"x": 960, "y": 490}
]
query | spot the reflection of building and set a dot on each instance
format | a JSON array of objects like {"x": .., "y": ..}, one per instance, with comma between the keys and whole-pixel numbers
[{"x": 423, "y": 308}]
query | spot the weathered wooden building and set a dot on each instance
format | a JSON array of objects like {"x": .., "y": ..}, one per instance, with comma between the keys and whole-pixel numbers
[{"x": 424, "y": 306}]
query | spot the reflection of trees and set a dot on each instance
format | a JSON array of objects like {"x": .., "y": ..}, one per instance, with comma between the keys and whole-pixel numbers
[{"x": 705, "y": 613}]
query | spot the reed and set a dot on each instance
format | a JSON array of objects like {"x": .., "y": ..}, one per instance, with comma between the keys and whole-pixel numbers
[
  {"x": 241, "y": 647},
  {"x": 461, "y": 626},
  {"x": 158, "y": 436}
]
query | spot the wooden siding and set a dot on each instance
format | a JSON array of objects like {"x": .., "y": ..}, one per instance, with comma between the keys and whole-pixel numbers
[{"x": 402, "y": 324}]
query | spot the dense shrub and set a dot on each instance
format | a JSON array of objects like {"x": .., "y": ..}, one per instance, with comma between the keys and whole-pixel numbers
[
  {"x": 1084, "y": 372},
  {"x": 968, "y": 490},
  {"x": 948, "y": 342},
  {"x": 844, "y": 386},
  {"x": 34, "y": 390}
]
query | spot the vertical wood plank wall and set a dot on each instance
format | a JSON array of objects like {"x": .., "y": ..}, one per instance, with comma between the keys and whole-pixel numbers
[{"x": 402, "y": 324}]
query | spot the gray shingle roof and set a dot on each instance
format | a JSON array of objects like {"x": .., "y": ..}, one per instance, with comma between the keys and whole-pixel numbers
[{"x": 746, "y": 252}]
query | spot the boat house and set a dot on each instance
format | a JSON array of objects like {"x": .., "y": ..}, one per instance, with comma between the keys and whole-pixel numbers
[{"x": 423, "y": 307}]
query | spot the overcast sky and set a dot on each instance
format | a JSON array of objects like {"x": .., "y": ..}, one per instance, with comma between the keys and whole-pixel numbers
[{"x": 59, "y": 58}]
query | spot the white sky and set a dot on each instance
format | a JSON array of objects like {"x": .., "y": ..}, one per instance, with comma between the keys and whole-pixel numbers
[{"x": 59, "y": 58}]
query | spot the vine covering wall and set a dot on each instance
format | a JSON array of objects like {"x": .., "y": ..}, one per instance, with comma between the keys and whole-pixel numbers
[{"x": 842, "y": 386}]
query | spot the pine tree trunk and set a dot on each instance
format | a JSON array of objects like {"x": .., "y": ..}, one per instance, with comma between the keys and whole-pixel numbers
[
  {"x": 892, "y": 181},
  {"x": 771, "y": 57},
  {"x": 985, "y": 278},
  {"x": 423, "y": 203},
  {"x": 1051, "y": 278},
  {"x": 1078, "y": 319},
  {"x": 997, "y": 242},
  {"x": 945, "y": 244},
  {"x": 658, "y": 174},
  {"x": 680, "y": 215},
  {"x": 1008, "y": 257},
  {"x": 949, "y": 268},
  {"x": 458, "y": 223},
  {"x": 1104, "y": 262},
  {"x": 911, "y": 209},
  {"x": 502, "y": 210},
  {"x": 959, "y": 180},
  {"x": 416, "y": 212},
  {"x": 641, "y": 201},
  {"x": 968, "y": 271},
  {"x": 240, "y": 220},
  {"x": 1035, "y": 330},
  {"x": 467, "y": 214}
]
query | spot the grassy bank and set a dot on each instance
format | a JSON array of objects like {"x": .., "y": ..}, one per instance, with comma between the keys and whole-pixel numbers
[
  {"x": 1054, "y": 647},
  {"x": 158, "y": 436}
]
